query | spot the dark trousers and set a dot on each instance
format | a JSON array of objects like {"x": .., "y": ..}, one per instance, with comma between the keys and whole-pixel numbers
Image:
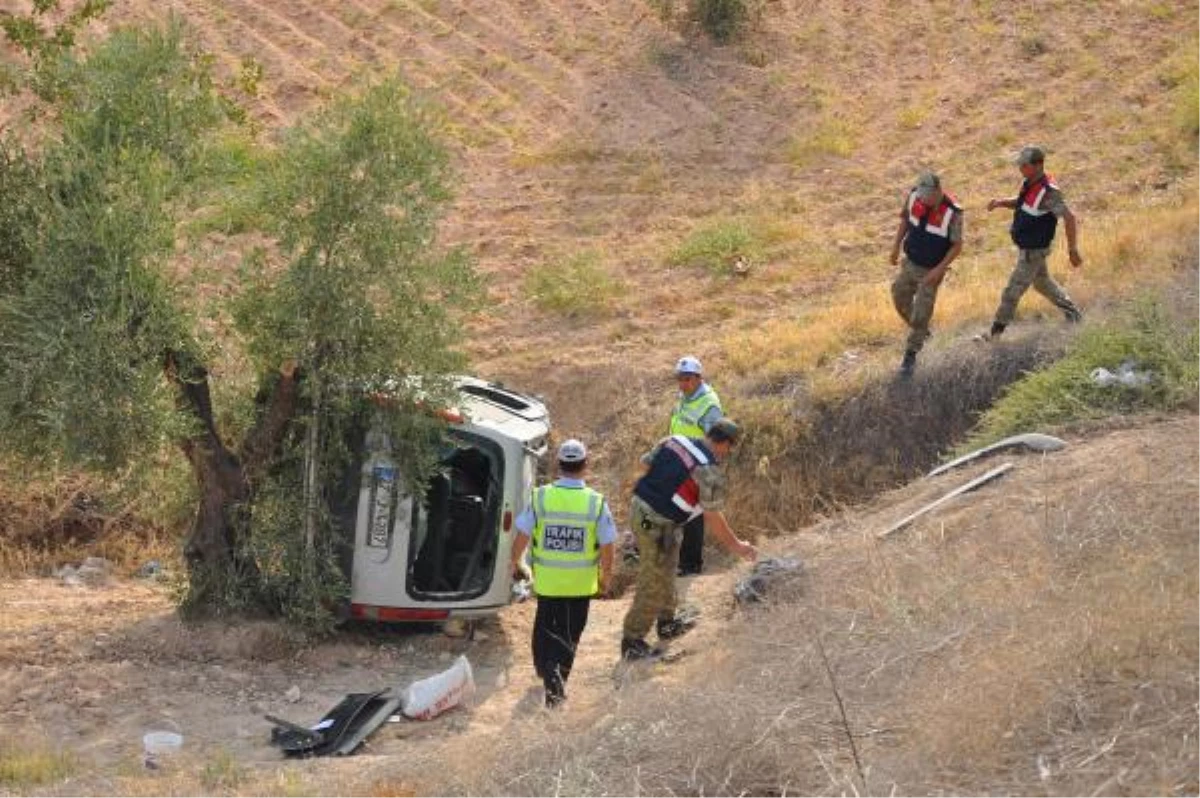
[
  {"x": 691, "y": 549},
  {"x": 557, "y": 628}
]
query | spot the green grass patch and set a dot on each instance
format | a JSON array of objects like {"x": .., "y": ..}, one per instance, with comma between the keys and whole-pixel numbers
[
  {"x": 832, "y": 136},
  {"x": 566, "y": 151},
  {"x": 1145, "y": 336},
  {"x": 912, "y": 117},
  {"x": 1187, "y": 100},
  {"x": 578, "y": 286},
  {"x": 23, "y": 766},
  {"x": 718, "y": 246},
  {"x": 232, "y": 168}
]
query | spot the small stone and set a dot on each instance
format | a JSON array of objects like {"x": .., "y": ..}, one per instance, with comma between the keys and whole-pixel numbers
[{"x": 293, "y": 694}]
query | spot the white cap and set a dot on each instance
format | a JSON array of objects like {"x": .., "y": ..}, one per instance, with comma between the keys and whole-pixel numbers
[
  {"x": 572, "y": 451},
  {"x": 689, "y": 365}
]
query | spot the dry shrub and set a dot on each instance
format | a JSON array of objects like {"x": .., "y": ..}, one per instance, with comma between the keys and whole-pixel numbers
[
  {"x": 803, "y": 458},
  {"x": 1043, "y": 641},
  {"x": 48, "y": 521}
]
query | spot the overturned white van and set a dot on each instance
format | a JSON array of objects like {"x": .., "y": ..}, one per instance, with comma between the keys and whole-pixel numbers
[{"x": 445, "y": 552}]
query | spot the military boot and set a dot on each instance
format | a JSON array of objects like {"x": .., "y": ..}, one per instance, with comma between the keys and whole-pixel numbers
[
  {"x": 636, "y": 648},
  {"x": 673, "y": 628}
]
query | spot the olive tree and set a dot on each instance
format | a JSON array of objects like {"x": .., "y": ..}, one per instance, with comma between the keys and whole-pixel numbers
[{"x": 347, "y": 294}]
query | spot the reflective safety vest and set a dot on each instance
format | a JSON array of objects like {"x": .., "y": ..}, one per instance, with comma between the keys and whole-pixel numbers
[
  {"x": 565, "y": 550},
  {"x": 685, "y": 420},
  {"x": 1033, "y": 227},
  {"x": 928, "y": 237}
]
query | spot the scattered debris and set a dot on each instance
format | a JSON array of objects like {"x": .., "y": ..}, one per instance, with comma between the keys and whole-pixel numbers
[
  {"x": 767, "y": 576},
  {"x": 159, "y": 744},
  {"x": 1030, "y": 440},
  {"x": 93, "y": 571},
  {"x": 428, "y": 698},
  {"x": 1126, "y": 375},
  {"x": 995, "y": 473},
  {"x": 347, "y": 726},
  {"x": 341, "y": 731},
  {"x": 150, "y": 570}
]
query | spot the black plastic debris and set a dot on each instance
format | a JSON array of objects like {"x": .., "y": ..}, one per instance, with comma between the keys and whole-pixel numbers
[
  {"x": 341, "y": 731},
  {"x": 772, "y": 575}
]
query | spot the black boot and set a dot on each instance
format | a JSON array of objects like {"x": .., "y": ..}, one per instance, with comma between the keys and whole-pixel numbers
[
  {"x": 556, "y": 687},
  {"x": 675, "y": 627},
  {"x": 908, "y": 364},
  {"x": 633, "y": 648}
]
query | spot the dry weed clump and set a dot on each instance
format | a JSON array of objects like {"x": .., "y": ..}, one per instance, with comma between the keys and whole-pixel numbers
[
  {"x": 738, "y": 735},
  {"x": 883, "y": 432},
  {"x": 1040, "y": 639},
  {"x": 46, "y": 522}
]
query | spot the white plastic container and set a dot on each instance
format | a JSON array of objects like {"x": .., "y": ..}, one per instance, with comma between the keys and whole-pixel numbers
[
  {"x": 161, "y": 743},
  {"x": 430, "y": 697}
]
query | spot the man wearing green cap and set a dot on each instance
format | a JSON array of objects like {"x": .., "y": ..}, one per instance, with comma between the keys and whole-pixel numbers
[
  {"x": 1036, "y": 211},
  {"x": 683, "y": 479},
  {"x": 931, "y": 232}
]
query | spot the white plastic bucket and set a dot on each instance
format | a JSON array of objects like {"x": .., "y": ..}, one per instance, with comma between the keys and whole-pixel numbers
[{"x": 162, "y": 743}]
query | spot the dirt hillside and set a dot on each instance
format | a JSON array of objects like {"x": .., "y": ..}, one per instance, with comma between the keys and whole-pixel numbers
[{"x": 584, "y": 128}]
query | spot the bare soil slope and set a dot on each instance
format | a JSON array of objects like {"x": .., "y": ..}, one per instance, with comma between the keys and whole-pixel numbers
[
  {"x": 1036, "y": 637},
  {"x": 590, "y": 127}
]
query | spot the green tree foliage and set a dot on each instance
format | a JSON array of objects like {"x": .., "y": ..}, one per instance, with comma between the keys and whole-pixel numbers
[
  {"x": 356, "y": 195},
  {"x": 86, "y": 324},
  {"x": 102, "y": 365},
  {"x": 364, "y": 295},
  {"x": 45, "y": 33}
]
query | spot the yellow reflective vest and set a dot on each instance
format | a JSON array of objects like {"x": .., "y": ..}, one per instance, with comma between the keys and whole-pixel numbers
[
  {"x": 565, "y": 550},
  {"x": 685, "y": 420}
]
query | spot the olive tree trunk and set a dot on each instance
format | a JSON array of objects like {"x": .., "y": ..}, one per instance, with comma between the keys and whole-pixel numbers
[{"x": 225, "y": 481}]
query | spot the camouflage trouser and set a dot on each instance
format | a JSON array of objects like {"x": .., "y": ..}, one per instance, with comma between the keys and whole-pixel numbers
[
  {"x": 658, "y": 545},
  {"x": 1031, "y": 270},
  {"x": 914, "y": 302}
]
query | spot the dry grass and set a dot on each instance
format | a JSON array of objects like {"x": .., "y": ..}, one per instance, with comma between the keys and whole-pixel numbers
[
  {"x": 27, "y": 764},
  {"x": 1038, "y": 638},
  {"x": 47, "y": 521},
  {"x": 1136, "y": 250}
]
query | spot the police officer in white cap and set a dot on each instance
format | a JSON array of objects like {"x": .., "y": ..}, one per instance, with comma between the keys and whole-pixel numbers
[
  {"x": 696, "y": 410},
  {"x": 570, "y": 533}
]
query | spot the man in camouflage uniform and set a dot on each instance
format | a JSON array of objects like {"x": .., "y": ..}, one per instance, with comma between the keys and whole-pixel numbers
[
  {"x": 1036, "y": 211},
  {"x": 931, "y": 234},
  {"x": 682, "y": 480}
]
